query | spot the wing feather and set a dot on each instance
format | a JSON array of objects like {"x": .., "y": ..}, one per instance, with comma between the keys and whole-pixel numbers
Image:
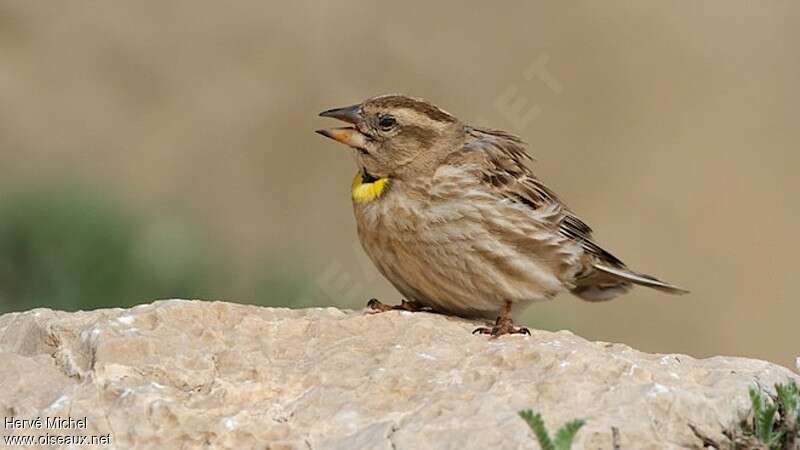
[{"x": 503, "y": 157}]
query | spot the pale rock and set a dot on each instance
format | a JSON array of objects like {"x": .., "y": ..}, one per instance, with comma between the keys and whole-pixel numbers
[{"x": 195, "y": 374}]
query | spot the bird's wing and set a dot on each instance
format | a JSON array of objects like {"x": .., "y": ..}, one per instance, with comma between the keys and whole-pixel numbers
[{"x": 501, "y": 157}]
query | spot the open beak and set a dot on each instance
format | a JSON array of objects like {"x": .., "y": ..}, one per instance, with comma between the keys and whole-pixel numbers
[{"x": 349, "y": 136}]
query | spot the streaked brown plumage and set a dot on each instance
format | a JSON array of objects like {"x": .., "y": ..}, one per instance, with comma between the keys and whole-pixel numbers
[{"x": 455, "y": 220}]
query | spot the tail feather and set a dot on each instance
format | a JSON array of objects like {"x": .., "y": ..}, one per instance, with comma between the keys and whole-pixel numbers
[
  {"x": 641, "y": 279},
  {"x": 608, "y": 282}
]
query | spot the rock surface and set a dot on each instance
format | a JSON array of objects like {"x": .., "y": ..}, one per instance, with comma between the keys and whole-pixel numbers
[{"x": 193, "y": 374}]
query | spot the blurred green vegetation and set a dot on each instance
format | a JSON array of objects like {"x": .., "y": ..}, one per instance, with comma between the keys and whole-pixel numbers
[
  {"x": 285, "y": 285},
  {"x": 74, "y": 248}
]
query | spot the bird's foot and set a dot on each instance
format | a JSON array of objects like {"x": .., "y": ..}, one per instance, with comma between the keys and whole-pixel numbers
[
  {"x": 412, "y": 306},
  {"x": 502, "y": 326}
]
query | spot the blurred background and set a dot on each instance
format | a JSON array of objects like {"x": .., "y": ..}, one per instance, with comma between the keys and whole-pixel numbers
[{"x": 159, "y": 149}]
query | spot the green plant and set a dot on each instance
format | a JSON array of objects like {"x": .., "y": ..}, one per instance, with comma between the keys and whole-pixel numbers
[
  {"x": 764, "y": 415},
  {"x": 563, "y": 438},
  {"x": 776, "y": 417},
  {"x": 773, "y": 422}
]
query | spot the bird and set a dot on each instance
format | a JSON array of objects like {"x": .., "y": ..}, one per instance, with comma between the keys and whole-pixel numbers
[{"x": 453, "y": 217}]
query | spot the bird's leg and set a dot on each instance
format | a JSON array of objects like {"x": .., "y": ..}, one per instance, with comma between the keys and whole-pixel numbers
[
  {"x": 412, "y": 306},
  {"x": 503, "y": 325}
]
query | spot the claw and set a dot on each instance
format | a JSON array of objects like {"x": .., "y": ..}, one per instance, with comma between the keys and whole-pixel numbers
[
  {"x": 376, "y": 305},
  {"x": 405, "y": 305},
  {"x": 501, "y": 329}
]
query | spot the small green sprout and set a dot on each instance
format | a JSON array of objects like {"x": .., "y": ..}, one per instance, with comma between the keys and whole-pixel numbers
[
  {"x": 764, "y": 415},
  {"x": 564, "y": 436},
  {"x": 776, "y": 419}
]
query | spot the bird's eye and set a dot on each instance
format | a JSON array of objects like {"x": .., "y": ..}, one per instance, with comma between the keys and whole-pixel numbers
[{"x": 387, "y": 122}]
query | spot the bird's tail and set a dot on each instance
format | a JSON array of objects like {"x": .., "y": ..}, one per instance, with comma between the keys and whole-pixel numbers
[{"x": 608, "y": 282}]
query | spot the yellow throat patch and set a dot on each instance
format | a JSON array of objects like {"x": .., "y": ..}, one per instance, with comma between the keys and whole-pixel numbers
[{"x": 366, "y": 192}]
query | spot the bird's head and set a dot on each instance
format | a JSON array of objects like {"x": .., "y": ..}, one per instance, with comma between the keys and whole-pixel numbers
[{"x": 396, "y": 136}]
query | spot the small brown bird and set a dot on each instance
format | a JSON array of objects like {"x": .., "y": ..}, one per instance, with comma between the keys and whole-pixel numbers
[{"x": 454, "y": 219}]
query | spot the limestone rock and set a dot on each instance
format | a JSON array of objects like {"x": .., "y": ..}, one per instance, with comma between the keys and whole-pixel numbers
[{"x": 194, "y": 374}]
